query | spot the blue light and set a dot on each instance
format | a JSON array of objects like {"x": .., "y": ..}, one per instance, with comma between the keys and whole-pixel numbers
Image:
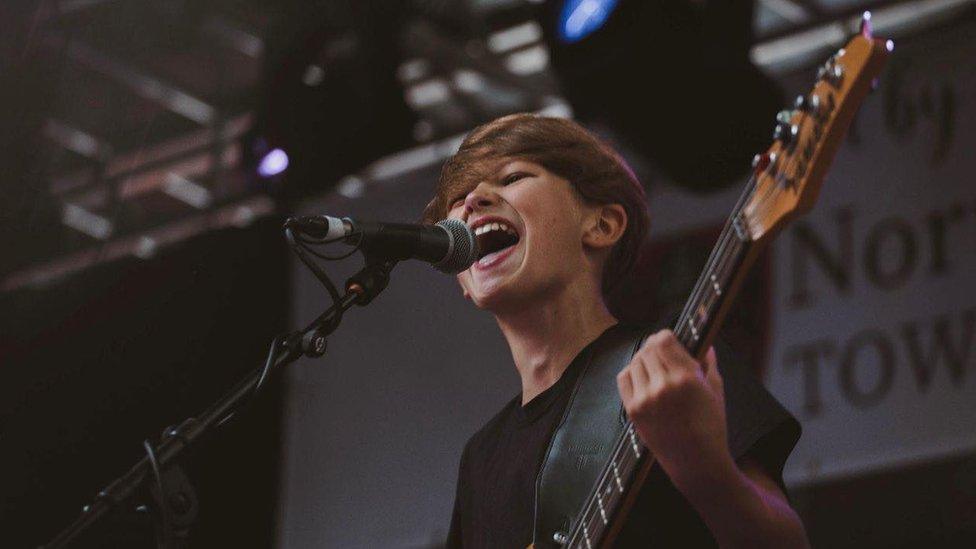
[
  {"x": 273, "y": 163},
  {"x": 580, "y": 18}
]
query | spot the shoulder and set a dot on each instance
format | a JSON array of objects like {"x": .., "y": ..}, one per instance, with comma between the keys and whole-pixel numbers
[{"x": 759, "y": 427}]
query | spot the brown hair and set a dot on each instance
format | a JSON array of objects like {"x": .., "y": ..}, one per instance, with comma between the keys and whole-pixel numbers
[{"x": 564, "y": 148}]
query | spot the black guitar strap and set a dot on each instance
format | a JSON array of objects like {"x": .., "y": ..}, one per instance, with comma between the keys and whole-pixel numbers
[{"x": 584, "y": 438}]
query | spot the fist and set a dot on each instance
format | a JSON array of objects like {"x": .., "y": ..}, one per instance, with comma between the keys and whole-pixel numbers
[{"x": 677, "y": 405}]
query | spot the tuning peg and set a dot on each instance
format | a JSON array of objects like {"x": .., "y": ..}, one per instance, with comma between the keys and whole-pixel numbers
[
  {"x": 786, "y": 133},
  {"x": 830, "y": 72},
  {"x": 808, "y": 103},
  {"x": 835, "y": 73},
  {"x": 763, "y": 162},
  {"x": 784, "y": 116},
  {"x": 866, "y": 25},
  {"x": 760, "y": 161}
]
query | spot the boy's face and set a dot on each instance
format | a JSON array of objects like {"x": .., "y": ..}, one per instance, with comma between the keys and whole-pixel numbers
[{"x": 529, "y": 224}]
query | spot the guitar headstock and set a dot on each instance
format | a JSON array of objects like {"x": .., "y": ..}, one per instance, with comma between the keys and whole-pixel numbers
[{"x": 789, "y": 174}]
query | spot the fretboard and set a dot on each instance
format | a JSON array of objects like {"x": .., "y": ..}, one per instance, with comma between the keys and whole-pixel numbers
[{"x": 606, "y": 507}]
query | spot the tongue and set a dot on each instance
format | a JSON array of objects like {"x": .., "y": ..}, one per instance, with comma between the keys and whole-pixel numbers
[
  {"x": 494, "y": 241},
  {"x": 498, "y": 251}
]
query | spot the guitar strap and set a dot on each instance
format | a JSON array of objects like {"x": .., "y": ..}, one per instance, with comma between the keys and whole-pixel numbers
[{"x": 584, "y": 438}]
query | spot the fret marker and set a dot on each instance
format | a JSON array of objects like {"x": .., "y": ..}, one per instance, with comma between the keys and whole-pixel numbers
[
  {"x": 694, "y": 331},
  {"x": 616, "y": 476},
  {"x": 603, "y": 512},
  {"x": 586, "y": 536},
  {"x": 718, "y": 289},
  {"x": 633, "y": 441}
]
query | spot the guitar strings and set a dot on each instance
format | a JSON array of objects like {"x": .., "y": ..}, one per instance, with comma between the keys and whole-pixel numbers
[
  {"x": 625, "y": 459},
  {"x": 727, "y": 242},
  {"x": 718, "y": 264}
]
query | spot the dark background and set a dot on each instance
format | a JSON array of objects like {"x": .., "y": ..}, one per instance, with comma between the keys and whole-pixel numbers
[
  {"x": 143, "y": 269},
  {"x": 113, "y": 356}
]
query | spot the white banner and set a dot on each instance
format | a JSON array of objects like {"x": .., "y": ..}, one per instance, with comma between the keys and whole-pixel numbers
[{"x": 874, "y": 309}]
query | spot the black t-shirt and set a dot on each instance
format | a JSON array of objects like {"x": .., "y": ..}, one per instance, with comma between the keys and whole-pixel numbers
[{"x": 495, "y": 501}]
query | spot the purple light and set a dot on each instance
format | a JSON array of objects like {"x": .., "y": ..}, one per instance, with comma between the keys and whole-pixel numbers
[{"x": 273, "y": 163}]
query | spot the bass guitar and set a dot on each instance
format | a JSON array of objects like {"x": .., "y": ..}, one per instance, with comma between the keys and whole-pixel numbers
[{"x": 785, "y": 182}]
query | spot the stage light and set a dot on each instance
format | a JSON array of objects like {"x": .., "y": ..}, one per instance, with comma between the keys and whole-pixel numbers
[
  {"x": 330, "y": 95},
  {"x": 579, "y": 18},
  {"x": 671, "y": 78},
  {"x": 273, "y": 163}
]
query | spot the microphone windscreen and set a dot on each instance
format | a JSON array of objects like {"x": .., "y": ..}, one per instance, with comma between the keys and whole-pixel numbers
[{"x": 463, "y": 250}]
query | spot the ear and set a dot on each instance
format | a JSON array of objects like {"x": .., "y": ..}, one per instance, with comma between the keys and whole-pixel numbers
[{"x": 604, "y": 226}]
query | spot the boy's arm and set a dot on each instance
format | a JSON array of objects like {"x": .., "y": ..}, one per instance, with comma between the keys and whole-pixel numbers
[{"x": 678, "y": 408}]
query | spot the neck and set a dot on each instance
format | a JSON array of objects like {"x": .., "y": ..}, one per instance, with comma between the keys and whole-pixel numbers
[{"x": 544, "y": 337}]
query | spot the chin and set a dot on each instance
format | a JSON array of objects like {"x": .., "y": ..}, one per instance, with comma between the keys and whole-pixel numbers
[
  {"x": 510, "y": 294},
  {"x": 494, "y": 298}
]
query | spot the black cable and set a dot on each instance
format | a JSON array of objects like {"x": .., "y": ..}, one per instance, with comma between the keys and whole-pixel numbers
[
  {"x": 154, "y": 463},
  {"x": 306, "y": 242},
  {"x": 268, "y": 363},
  {"x": 302, "y": 253},
  {"x": 300, "y": 244},
  {"x": 320, "y": 255},
  {"x": 265, "y": 370}
]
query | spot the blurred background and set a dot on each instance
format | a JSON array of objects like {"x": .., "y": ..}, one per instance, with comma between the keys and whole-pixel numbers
[{"x": 150, "y": 150}]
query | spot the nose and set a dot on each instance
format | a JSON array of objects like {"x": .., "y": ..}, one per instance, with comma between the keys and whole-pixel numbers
[{"x": 479, "y": 198}]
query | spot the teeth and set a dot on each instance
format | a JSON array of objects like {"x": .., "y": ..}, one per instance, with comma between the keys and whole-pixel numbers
[{"x": 494, "y": 227}]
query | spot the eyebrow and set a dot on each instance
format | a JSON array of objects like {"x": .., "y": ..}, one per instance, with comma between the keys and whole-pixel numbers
[{"x": 465, "y": 185}]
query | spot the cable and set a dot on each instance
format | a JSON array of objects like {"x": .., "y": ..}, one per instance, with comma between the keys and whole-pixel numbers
[
  {"x": 303, "y": 254},
  {"x": 268, "y": 363},
  {"x": 305, "y": 242},
  {"x": 154, "y": 463}
]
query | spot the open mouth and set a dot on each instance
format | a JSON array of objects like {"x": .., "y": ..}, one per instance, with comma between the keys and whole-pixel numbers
[{"x": 494, "y": 237}]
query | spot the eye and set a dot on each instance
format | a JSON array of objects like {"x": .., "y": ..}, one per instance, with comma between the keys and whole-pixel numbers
[{"x": 513, "y": 177}]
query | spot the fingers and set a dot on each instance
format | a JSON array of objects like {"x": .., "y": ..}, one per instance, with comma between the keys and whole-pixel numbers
[
  {"x": 711, "y": 360},
  {"x": 641, "y": 381},
  {"x": 635, "y": 382},
  {"x": 712, "y": 375},
  {"x": 640, "y": 373},
  {"x": 674, "y": 355},
  {"x": 663, "y": 368},
  {"x": 626, "y": 385}
]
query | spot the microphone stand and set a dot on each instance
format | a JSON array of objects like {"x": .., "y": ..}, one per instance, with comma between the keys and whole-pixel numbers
[{"x": 174, "y": 500}]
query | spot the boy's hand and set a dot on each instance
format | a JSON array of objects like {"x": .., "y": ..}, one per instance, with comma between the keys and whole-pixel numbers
[{"x": 677, "y": 406}]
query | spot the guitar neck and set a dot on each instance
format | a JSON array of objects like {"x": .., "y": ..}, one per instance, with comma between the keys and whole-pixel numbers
[{"x": 607, "y": 507}]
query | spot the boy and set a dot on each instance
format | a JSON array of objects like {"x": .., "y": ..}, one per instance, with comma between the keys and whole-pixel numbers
[{"x": 559, "y": 219}]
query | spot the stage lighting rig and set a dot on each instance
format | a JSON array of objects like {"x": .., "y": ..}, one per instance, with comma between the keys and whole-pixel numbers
[
  {"x": 331, "y": 102},
  {"x": 673, "y": 78}
]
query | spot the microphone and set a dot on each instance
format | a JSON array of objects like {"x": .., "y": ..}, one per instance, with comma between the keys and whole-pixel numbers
[{"x": 449, "y": 245}]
